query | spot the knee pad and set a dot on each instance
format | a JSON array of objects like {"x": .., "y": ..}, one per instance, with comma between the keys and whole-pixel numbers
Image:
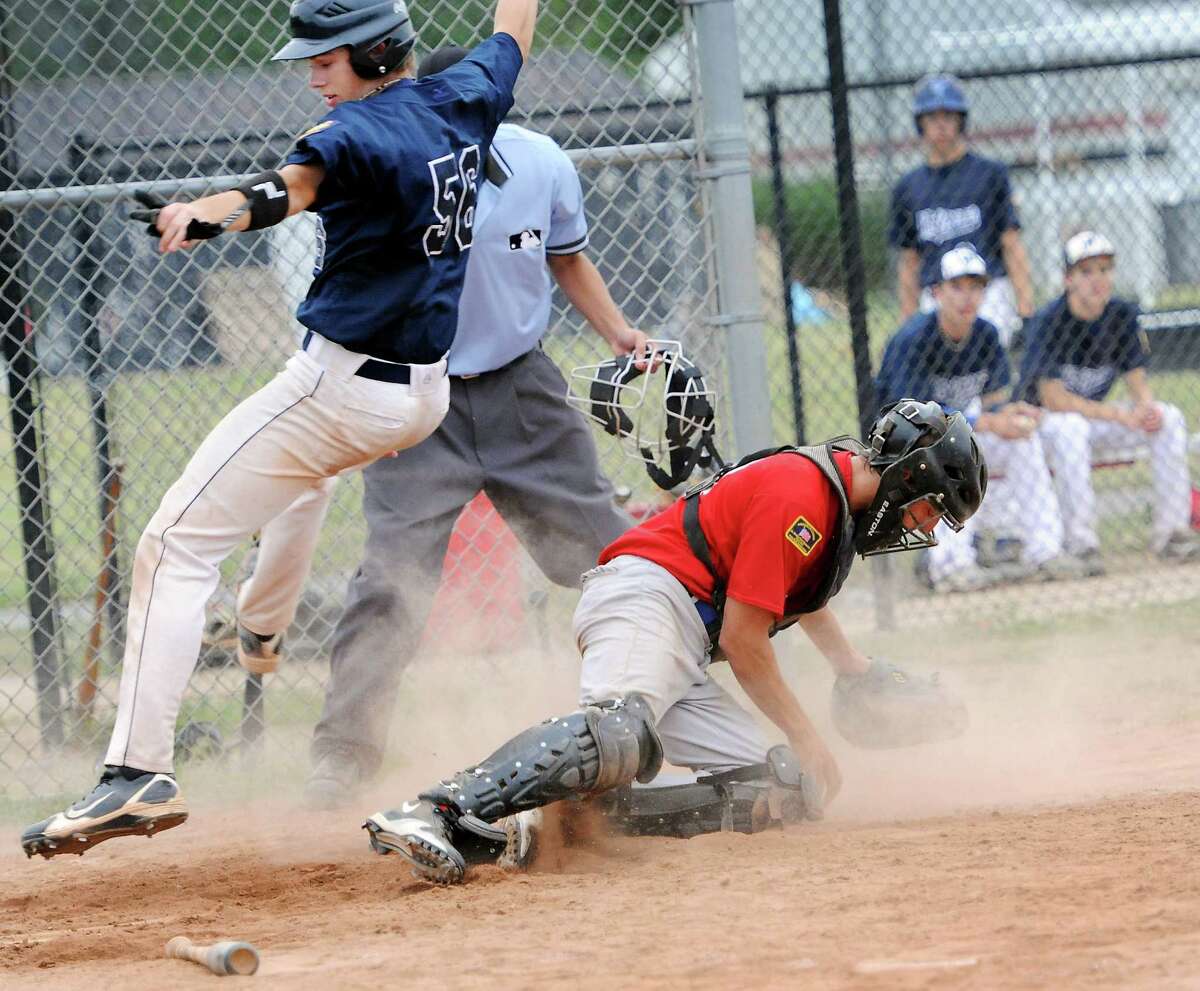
[{"x": 590, "y": 750}]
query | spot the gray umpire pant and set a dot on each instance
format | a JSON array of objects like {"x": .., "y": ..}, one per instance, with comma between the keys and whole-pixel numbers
[{"x": 510, "y": 434}]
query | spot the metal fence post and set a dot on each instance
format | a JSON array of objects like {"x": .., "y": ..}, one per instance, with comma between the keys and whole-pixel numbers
[
  {"x": 787, "y": 257},
  {"x": 23, "y": 374},
  {"x": 854, "y": 272},
  {"x": 726, "y": 167}
]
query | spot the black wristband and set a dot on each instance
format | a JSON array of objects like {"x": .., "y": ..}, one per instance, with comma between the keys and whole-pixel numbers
[{"x": 267, "y": 196}]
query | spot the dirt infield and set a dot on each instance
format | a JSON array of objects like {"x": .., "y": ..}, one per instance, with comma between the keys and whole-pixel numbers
[
  {"x": 1096, "y": 894},
  {"x": 1054, "y": 846},
  {"x": 1101, "y": 895}
]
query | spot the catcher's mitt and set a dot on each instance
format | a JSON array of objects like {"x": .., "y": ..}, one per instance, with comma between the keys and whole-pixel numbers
[{"x": 887, "y": 707}]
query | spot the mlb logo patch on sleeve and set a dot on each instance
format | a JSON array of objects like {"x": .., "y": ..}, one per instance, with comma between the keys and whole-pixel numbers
[
  {"x": 803, "y": 535},
  {"x": 529, "y": 238}
]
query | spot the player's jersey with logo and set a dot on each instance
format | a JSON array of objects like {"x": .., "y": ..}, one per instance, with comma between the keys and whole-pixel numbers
[
  {"x": 935, "y": 208},
  {"x": 769, "y": 526},
  {"x": 397, "y": 204},
  {"x": 1087, "y": 357},
  {"x": 920, "y": 362}
]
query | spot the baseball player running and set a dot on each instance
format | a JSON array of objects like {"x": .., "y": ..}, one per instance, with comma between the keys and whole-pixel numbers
[
  {"x": 392, "y": 172},
  {"x": 762, "y": 545},
  {"x": 954, "y": 358},
  {"x": 508, "y": 433},
  {"x": 1079, "y": 344},
  {"x": 956, "y": 197}
]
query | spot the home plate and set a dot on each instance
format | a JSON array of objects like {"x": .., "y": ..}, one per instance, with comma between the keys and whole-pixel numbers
[{"x": 887, "y": 966}]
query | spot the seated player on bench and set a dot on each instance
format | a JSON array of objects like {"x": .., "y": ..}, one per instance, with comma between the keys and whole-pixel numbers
[{"x": 1079, "y": 344}]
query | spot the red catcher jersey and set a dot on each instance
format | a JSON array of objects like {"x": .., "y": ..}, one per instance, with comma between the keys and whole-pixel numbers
[{"x": 769, "y": 525}]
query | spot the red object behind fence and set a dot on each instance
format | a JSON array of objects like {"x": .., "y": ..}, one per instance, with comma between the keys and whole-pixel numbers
[{"x": 480, "y": 603}]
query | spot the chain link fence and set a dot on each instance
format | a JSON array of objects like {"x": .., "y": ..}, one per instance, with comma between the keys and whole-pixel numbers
[
  {"x": 118, "y": 361},
  {"x": 1088, "y": 111}
]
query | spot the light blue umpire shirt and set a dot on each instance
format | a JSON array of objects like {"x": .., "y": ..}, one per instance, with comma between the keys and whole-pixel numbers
[{"x": 505, "y": 305}]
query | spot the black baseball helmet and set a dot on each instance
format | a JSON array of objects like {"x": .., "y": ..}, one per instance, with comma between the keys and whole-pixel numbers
[
  {"x": 379, "y": 33},
  {"x": 920, "y": 454}
]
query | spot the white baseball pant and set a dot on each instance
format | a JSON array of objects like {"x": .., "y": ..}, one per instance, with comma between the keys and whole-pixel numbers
[
  {"x": 638, "y": 631},
  {"x": 1021, "y": 502},
  {"x": 1073, "y": 442},
  {"x": 266, "y": 466}
]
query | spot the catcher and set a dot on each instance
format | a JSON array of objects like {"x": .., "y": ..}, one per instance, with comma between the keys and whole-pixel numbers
[{"x": 761, "y": 545}]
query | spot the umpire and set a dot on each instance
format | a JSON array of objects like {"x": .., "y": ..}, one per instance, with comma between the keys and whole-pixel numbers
[{"x": 508, "y": 433}]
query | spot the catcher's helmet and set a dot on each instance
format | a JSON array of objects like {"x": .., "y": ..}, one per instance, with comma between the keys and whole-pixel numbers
[
  {"x": 939, "y": 93},
  {"x": 676, "y": 430},
  {"x": 920, "y": 454},
  {"x": 379, "y": 33}
]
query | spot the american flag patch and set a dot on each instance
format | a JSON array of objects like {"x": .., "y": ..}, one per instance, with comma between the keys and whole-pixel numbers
[{"x": 803, "y": 535}]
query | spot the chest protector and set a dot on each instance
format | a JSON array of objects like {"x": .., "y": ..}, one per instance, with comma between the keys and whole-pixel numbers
[{"x": 842, "y": 539}]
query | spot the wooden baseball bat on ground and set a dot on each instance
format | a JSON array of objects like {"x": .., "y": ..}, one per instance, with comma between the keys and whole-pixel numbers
[
  {"x": 228, "y": 957},
  {"x": 86, "y": 693}
]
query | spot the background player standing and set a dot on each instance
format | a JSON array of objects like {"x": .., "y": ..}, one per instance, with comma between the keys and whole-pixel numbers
[
  {"x": 391, "y": 171},
  {"x": 509, "y": 433},
  {"x": 1079, "y": 344},
  {"x": 765, "y": 544},
  {"x": 957, "y": 197}
]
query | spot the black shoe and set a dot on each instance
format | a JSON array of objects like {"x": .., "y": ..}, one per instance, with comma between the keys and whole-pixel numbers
[
  {"x": 421, "y": 835},
  {"x": 1093, "y": 563},
  {"x": 126, "y": 802},
  {"x": 336, "y": 779}
]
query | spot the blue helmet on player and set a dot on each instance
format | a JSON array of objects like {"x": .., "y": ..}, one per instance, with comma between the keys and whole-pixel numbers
[
  {"x": 939, "y": 93},
  {"x": 379, "y": 33}
]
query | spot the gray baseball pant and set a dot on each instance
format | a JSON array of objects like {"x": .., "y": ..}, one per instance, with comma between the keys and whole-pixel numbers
[{"x": 510, "y": 434}]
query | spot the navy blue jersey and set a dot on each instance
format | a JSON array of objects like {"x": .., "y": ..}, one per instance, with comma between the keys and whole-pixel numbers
[
  {"x": 1086, "y": 356},
  {"x": 966, "y": 202},
  {"x": 919, "y": 362},
  {"x": 397, "y": 204}
]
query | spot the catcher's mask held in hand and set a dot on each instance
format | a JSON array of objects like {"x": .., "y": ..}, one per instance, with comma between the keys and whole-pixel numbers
[
  {"x": 922, "y": 455},
  {"x": 670, "y": 432}
]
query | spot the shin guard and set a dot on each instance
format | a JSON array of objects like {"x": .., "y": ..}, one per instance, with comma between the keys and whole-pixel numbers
[
  {"x": 588, "y": 751},
  {"x": 747, "y": 800}
]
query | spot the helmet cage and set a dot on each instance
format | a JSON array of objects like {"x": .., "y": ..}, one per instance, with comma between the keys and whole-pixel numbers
[{"x": 669, "y": 430}]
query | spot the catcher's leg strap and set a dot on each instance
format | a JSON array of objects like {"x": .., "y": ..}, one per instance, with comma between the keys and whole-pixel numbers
[
  {"x": 590, "y": 750},
  {"x": 744, "y": 800}
]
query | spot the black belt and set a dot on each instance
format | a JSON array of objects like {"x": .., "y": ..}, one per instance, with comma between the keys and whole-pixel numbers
[
  {"x": 471, "y": 376},
  {"x": 372, "y": 368}
]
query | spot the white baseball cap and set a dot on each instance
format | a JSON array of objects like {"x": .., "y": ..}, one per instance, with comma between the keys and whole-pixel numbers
[
  {"x": 1087, "y": 244},
  {"x": 963, "y": 260}
]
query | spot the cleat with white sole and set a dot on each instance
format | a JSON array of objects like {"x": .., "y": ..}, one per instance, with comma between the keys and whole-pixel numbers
[
  {"x": 126, "y": 802},
  {"x": 421, "y": 835},
  {"x": 522, "y": 831}
]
